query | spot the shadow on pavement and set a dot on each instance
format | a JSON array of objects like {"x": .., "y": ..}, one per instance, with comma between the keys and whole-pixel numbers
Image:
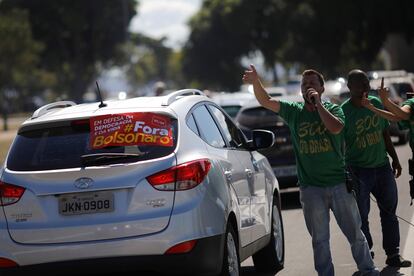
[
  {"x": 290, "y": 201},
  {"x": 387, "y": 271},
  {"x": 391, "y": 271},
  {"x": 249, "y": 270}
]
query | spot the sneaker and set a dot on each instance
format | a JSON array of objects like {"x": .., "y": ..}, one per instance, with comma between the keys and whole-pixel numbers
[{"x": 397, "y": 261}]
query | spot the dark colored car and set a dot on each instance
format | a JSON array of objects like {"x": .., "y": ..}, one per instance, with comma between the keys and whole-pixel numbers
[{"x": 281, "y": 155}]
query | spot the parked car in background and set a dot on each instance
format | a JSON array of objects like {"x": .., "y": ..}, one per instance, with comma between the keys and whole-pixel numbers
[
  {"x": 232, "y": 102},
  {"x": 281, "y": 155},
  {"x": 399, "y": 82},
  {"x": 292, "y": 85},
  {"x": 336, "y": 90},
  {"x": 165, "y": 184}
]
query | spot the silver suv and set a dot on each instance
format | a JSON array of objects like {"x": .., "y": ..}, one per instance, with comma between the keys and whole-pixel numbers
[{"x": 165, "y": 184}]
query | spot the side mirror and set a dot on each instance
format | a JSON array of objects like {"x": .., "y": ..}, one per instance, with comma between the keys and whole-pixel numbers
[{"x": 262, "y": 139}]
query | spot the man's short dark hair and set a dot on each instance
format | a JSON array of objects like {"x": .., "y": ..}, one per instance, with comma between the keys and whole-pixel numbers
[
  {"x": 309, "y": 72},
  {"x": 357, "y": 75}
]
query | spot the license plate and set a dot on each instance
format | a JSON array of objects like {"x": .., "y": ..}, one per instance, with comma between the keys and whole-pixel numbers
[
  {"x": 86, "y": 203},
  {"x": 285, "y": 171}
]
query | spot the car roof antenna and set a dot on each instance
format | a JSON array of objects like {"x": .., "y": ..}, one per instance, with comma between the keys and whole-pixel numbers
[{"x": 102, "y": 104}]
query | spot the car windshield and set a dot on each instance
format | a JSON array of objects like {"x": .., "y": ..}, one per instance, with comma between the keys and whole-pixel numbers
[{"x": 62, "y": 147}]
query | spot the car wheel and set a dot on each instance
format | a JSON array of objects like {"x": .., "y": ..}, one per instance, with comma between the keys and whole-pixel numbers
[
  {"x": 231, "y": 262},
  {"x": 271, "y": 258}
]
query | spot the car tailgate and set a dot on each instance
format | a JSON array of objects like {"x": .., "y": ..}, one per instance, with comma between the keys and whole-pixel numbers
[{"x": 86, "y": 204}]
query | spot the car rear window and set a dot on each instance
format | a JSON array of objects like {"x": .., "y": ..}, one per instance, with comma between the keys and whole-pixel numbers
[
  {"x": 258, "y": 117},
  {"x": 62, "y": 146}
]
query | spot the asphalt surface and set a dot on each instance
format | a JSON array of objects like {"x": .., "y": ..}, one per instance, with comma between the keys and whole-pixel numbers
[{"x": 299, "y": 255}]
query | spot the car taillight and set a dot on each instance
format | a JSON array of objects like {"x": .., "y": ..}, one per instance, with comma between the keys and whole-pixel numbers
[
  {"x": 9, "y": 193},
  {"x": 182, "y": 177},
  {"x": 6, "y": 263},
  {"x": 183, "y": 247}
]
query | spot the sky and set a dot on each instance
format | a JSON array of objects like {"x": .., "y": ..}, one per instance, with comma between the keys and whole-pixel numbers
[
  {"x": 155, "y": 18},
  {"x": 158, "y": 18}
]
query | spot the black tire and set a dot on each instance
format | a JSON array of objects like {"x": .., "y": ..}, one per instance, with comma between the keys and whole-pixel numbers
[
  {"x": 231, "y": 259},
  {"x": 272, "y": 257},
  {"x": 403, "y": 139}
]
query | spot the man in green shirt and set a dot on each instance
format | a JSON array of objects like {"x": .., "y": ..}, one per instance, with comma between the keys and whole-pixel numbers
[
  {"x": 367, "y": 143},
  {"x": 405, "y": 114},
  {"x": 316, "y": 131},
  {"x": 397, "y": 113}
]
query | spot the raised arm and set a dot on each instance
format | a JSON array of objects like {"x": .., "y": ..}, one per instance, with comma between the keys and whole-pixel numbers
[
  {"x": 331, "y": 122},
  {"x": 251, "y": 77},
  {"x": 403, "y": 113},
  {"x": 380, "y": 112}
]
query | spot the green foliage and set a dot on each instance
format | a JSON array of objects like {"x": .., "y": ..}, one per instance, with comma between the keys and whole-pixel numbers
[
  {"x": 20, "y": 75},
  {"x": 77, "y": 35},
  {"x": 19, "y": 51},
  {"x": 175, "y": 70},
  {"x": 217, "y": 41},
  {"x": 148, "y": 59}
]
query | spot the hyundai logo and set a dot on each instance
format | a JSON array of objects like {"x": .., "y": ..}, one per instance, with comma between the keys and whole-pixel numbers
[{"x": 83, "y": 183}]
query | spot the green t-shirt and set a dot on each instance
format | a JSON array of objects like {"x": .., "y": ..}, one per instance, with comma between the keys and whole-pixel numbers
[
  {"x": 365, "y": 146},
  {"x": 409, "y": 123},
  {"x": 318, "y": 153}
]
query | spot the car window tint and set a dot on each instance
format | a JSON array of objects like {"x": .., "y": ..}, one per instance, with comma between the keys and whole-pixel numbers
[
  {"x": 51, "y": 148},
  {"x": 192, "y": 124},
  {"x": 231, "y": 132},
  {"x": 208, "y": 128}
]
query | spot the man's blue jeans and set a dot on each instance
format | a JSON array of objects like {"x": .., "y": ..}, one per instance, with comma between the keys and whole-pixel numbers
[
  {"x": 316, "y": 204},
  {"x": 381, "y": 183}
]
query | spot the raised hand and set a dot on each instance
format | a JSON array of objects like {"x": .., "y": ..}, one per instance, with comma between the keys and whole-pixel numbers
[
  {"x": 396, "y": 168},
  {"x": 383, "y": 92},
  {"x": 365, "y": 102},
  {"x": 313, "y": 96},
  {"x": 250, "y": 76}
]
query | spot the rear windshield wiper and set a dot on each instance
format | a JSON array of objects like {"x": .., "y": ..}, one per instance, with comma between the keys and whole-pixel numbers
[{"x": 104, "y": 158}]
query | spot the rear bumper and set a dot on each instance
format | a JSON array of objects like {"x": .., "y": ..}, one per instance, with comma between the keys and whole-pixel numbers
[{"x": 205, "y": 259}]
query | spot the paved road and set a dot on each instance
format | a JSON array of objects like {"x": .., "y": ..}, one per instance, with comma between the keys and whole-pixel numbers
[{"x": 299, "y": 256}]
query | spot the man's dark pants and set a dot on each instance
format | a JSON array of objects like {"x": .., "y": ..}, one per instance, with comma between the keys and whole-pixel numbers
[{"x": 380, "y": 182}]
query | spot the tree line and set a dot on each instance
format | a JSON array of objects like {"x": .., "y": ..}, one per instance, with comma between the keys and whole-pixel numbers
[
  {"x": 332, "y": 36},
  {"x": 63, "y": 46}
]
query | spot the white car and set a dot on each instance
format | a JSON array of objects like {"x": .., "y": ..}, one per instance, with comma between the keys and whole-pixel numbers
[
  {"x": 165, "y": 184},
  {"x": 232, "y": 102}
]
